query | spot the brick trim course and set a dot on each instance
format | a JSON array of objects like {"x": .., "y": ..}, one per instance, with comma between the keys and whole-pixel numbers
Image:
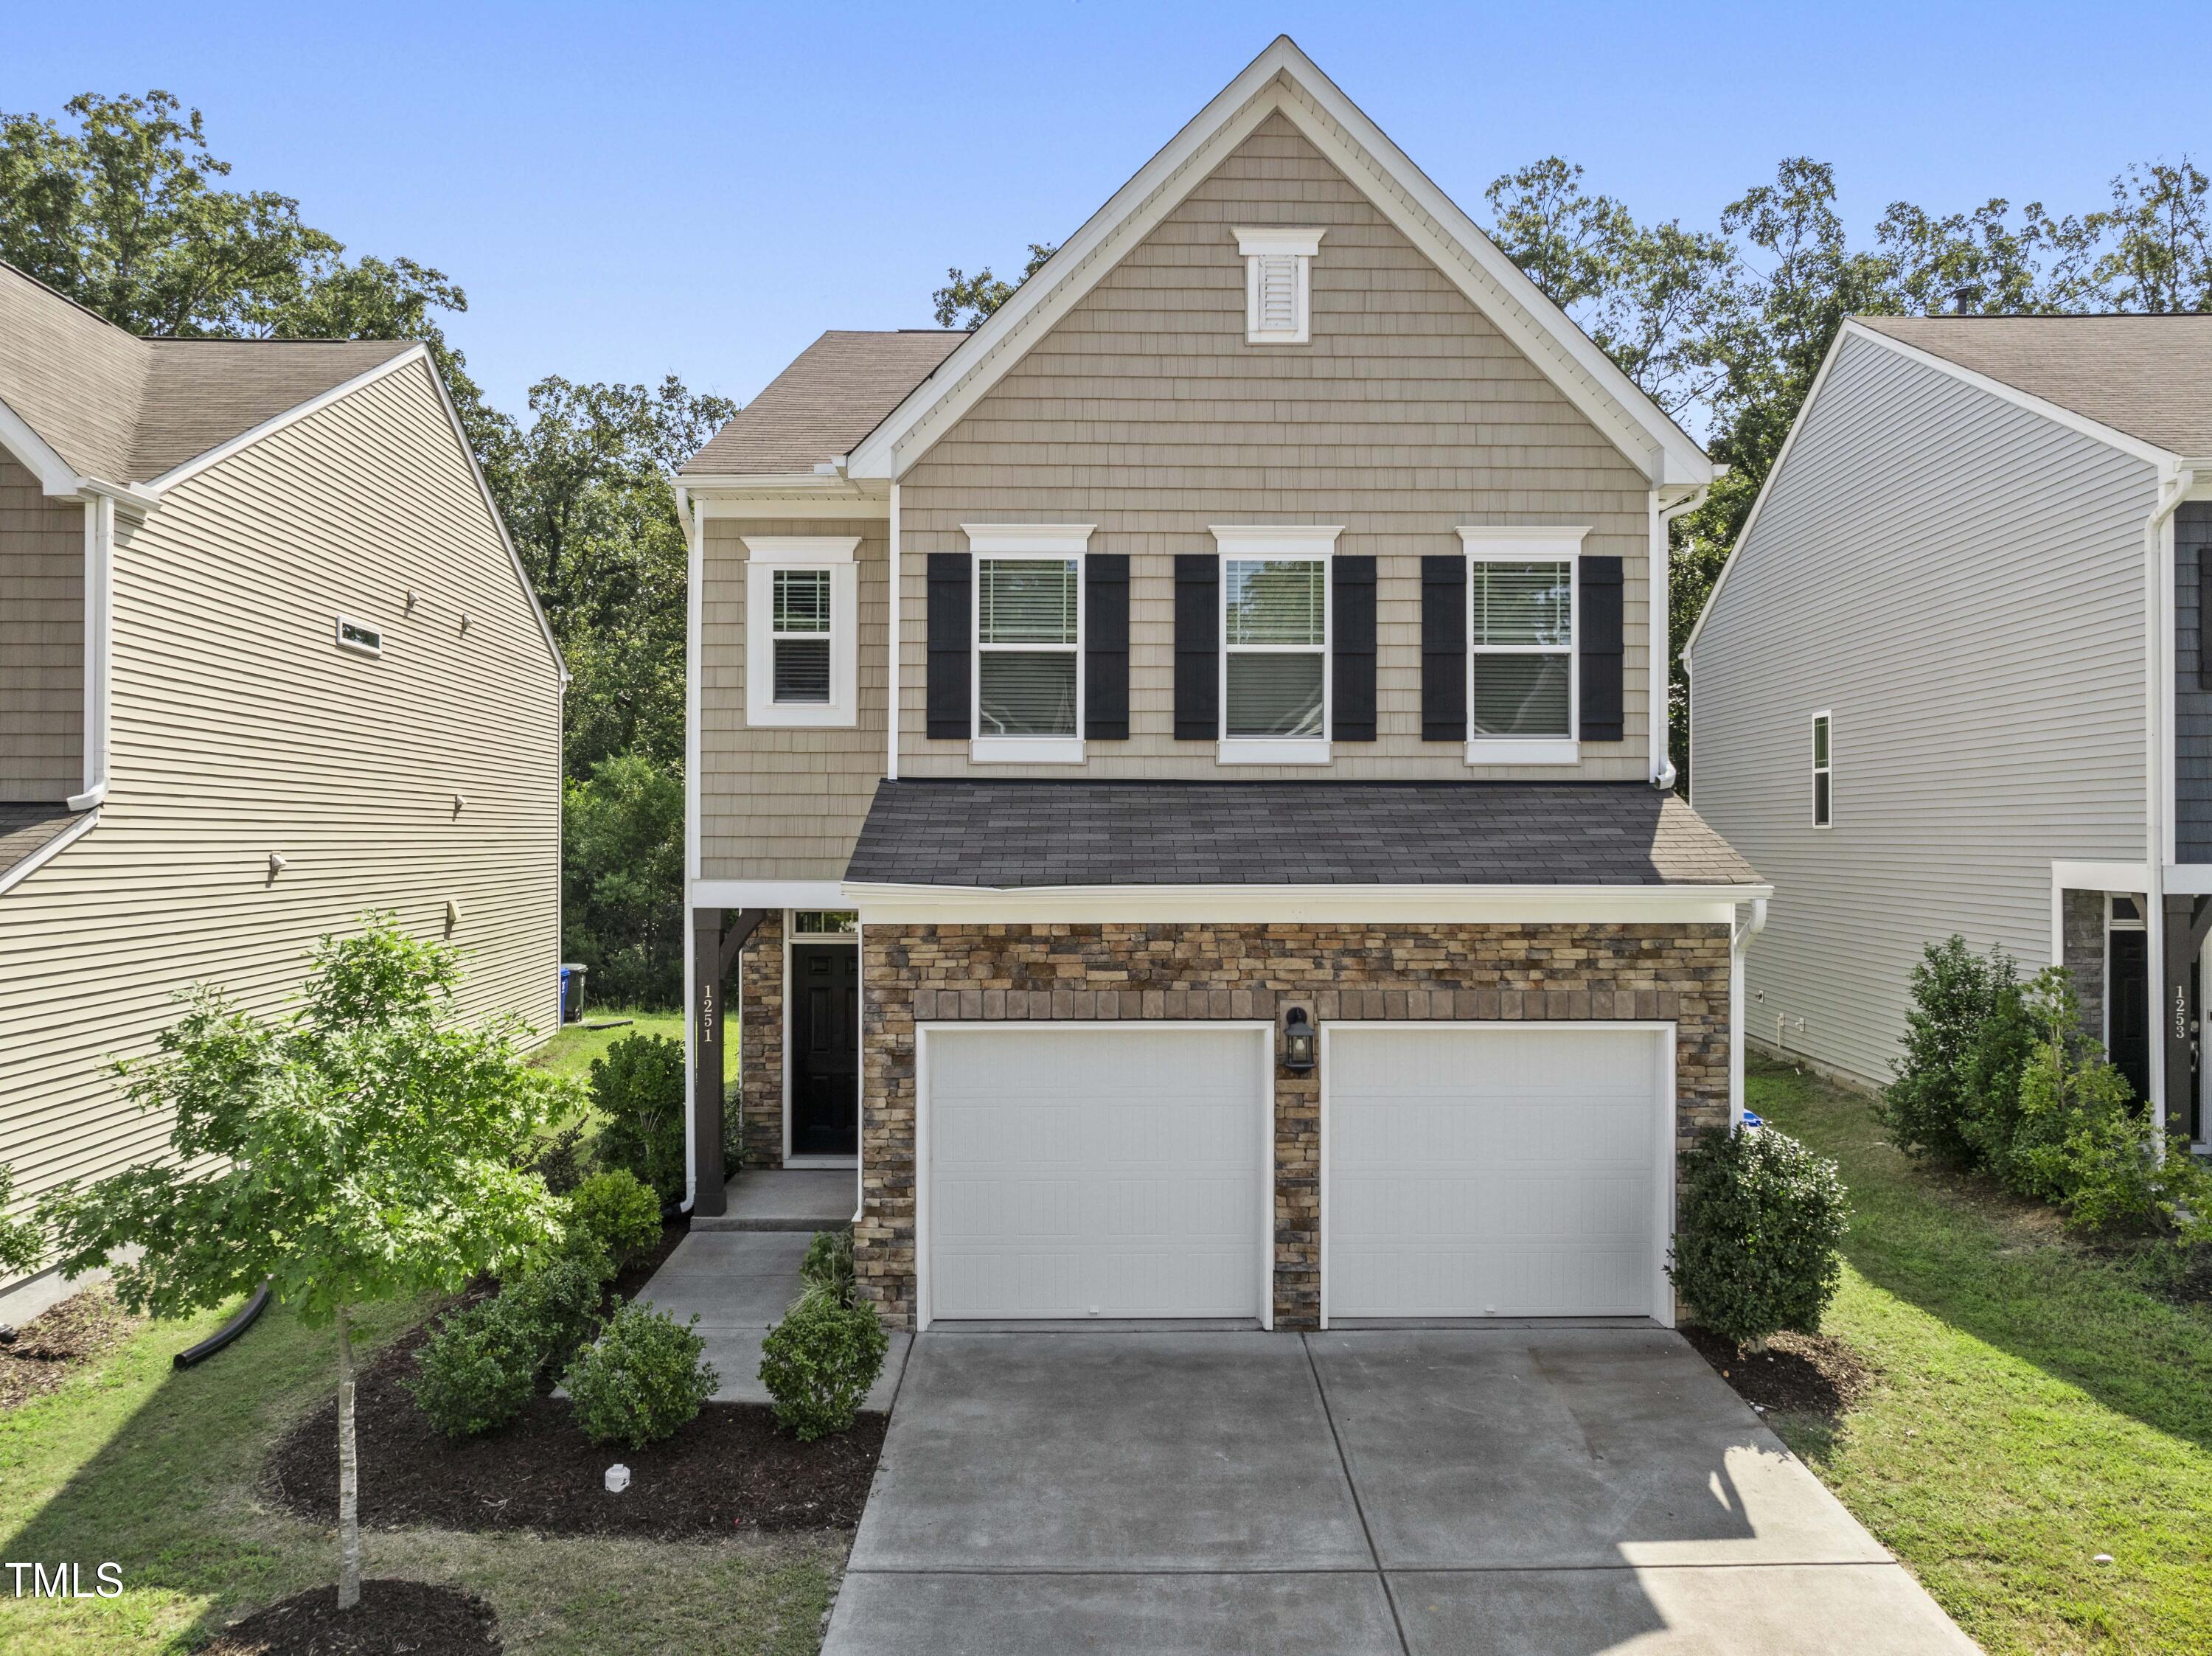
[{"x": 1523, "y": 972}]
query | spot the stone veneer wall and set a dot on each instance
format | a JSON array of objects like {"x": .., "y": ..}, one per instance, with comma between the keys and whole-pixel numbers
[
  {"x": 1038, "y": 973},
  {"x": 2082, "y": 949},
  {"x": 760, "y": 1036}
]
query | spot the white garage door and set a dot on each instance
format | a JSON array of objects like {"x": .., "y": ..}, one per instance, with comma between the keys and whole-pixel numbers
[
  {"x": 1094, "y": 1172},
  {"x": 1488, "y": 1172}
]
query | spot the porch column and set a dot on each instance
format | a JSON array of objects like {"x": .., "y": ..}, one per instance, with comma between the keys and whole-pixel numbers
[
  {"x": 2188, "y": 922},
  {"x": 717, "y": 935}
]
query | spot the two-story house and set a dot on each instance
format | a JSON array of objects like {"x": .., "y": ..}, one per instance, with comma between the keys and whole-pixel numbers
[
  {"x": 1182, "y": 768},
  {"x": 267, "y": 662},
  {"x": 1952, "y": 681}
]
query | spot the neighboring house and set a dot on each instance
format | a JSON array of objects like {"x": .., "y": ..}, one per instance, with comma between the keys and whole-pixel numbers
[
  {"x": 267, "y": 661},
  {"x": 1233, "y": 657},
  {"x": 1950, "y": 681}
]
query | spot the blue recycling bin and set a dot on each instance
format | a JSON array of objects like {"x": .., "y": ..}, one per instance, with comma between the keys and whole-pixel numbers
[{"x": 572, "y": 992}]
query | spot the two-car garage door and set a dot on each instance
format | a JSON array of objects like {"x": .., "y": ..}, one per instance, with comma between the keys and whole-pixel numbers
[{"x": 1125, "y": 1170}]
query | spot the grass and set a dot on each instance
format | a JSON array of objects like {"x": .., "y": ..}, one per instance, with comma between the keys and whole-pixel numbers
[
  {"x": 573, "y": 1047},
  {"x": 135, "y": 1462},
  {"x": 2038, "y": 1405}
]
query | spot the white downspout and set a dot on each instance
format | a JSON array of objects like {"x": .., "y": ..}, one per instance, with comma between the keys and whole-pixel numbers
[
  {"x": 1659, "y": 646},
  {"x": 2158, "y": 583},
  {"x": 695, "y": 571},
  {"x": 1746, "y": 929},
  {"x": 98, "y": 646}
]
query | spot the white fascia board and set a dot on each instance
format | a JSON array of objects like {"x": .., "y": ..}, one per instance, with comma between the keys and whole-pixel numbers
[
  {"x": 56, "y": 475},
  {"x": 886, "y": 904},
  {"x": 52, "y": 848},
  {"x": 1284, "y": 79},
  {"x": 768, "y": 894},
  {"x": 2069, "y": 876}
]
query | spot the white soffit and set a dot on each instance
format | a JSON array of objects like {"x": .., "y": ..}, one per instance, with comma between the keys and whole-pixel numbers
[{"x": 1283, "y": 79}]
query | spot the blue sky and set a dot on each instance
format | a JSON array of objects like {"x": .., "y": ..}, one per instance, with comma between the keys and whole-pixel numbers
[{"x": 626, "y": 191}]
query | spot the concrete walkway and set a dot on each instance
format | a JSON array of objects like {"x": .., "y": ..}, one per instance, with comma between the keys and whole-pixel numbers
[
  {"x": 739, "y": 1284},
  {"x": 1383, "y": 1492}
]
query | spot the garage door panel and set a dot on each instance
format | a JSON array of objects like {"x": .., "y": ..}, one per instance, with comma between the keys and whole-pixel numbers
[
  {"x": 1114, "y": 1172},
  {"x": 1479, "y": 1171}
]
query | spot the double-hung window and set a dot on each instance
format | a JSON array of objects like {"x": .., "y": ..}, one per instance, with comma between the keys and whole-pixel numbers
[
  {"x": 1521, "y": 686},
  {"x": 1029, "y": 642},
  {"x": 1274, "y": 636},
  {"x": 801, "y": 614},
  {"x": 1824, "y": 802}
]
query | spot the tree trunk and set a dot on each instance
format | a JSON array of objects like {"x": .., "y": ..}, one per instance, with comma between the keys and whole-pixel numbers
[{"x": 348, "y": 1478}]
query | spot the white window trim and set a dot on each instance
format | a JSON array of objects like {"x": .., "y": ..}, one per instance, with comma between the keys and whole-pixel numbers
[
  {"x": 766, "y": 553},
  {"x": 338, "y": 633},
  {"x": 1308, "y": 543},
  {"x": 1817, "y": 770},
  {"x": 1256, "y": 243},
  {"x": 1540, "y": 544},
  {"x": 1043, "y": 543}
]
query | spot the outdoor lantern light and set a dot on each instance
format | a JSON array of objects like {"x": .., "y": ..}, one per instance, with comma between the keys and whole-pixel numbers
[{"x": 1297, "y": 1040}]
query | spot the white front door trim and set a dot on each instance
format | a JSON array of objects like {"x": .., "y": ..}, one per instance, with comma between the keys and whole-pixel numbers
[
  {"x": 1263, "y": 1032},
  {"x": 1662, "y": 1293}
]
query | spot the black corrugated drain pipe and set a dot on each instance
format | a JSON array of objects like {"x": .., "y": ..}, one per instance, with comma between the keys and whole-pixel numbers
[{"x": 230, "y": 1331}]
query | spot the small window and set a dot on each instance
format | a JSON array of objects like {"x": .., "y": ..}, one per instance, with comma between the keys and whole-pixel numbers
[
  {"x": 1276, "y": 665},
  {"x": 1521, "y": 630},
  {"x": 1027, "y": 642},
  {"x": 2127, "y": 915},
  {"x": 800, "y": 637},
  {"x": 366, "y": 640},
  {"x": 1278, "y": 284},
  {"x": 1823, "y": 768},
  {"x": 825, "y": 922}
]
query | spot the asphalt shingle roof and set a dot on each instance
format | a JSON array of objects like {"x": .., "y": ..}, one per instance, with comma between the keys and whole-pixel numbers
[
  {"x": 1005, "y": 834},
  {"x": 2149, "y": 376},
  {"x": 835, "y": 392},
  {"x": 26, "y": 830}
]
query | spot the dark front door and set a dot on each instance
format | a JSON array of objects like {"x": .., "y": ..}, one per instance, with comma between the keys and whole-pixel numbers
[
  {"x": 825, "y": 1049},
  {"x": 2128, "y": 1008}
]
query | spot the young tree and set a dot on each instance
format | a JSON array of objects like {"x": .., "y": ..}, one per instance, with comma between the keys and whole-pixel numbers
[{"x": 358, "y": 1151}]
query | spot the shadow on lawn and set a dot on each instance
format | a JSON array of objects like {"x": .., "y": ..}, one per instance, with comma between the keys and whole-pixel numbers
[{"x": 1989, "y": 1264}]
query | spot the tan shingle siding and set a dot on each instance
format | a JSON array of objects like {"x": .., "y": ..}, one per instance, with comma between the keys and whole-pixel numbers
[
  {"x": 1144, "y": 411},
  {"x": 774, "y": 803},
  {"x": 42, "y": 641},
  {"x": 239, "y": 730}
]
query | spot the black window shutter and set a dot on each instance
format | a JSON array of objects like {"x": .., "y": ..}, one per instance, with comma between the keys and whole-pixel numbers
[
  {"x": 1602, "y": 647},
  {"x": 1197, "y": 647},
  {"x": 951, "y": 633},
  {"x": 1443, "y": 648},
  {"x": 1106, "y": 646},
  {"x": 1352, "y": 713}
]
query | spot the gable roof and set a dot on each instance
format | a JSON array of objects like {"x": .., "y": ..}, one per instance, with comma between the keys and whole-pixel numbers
[
  {"x": 1283, "y": 78},
  {"x": 835, "y": 392},
  {"x": 125, "y": 409},
  {"x": 2147, "y": 376},
  {"x": 1015, "y": 835}
]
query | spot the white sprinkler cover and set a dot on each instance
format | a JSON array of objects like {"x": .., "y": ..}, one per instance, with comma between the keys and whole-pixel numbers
[{"x": 617, "y": 1478}]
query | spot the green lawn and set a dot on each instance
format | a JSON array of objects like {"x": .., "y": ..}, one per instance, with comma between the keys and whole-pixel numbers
[
  {"x": 2037, "y": 1407},
  {"x": 154, "y": 1469},
  {"x": 573, "y": 1047}
]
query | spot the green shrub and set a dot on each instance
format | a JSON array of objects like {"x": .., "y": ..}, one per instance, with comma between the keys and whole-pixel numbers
[
  {"x": 819, "y": 1362},
  {"x": 1964, "y": 1041},
  {"x": 619, "y": 1211},
  {"x": 1761, "y": 1217},
  {"x": 557, "y": 1158},
  {"x": 643, "y": 1379},
  {"x": 828, "y": 1267},
  {"x": 478, "y": 1370},
  {"x": 638, "y": 1086},
  {"x": 558, "y": 1305},
  {"x": 2081, "y": 1141}
]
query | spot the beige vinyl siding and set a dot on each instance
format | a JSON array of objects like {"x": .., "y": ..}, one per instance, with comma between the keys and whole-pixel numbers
[
  {"x": 42, "y": 641},
  {"x": 1144, "y": 411},
  {"x": 775, "y": 803},
  {"x": 1959, "y": 582},
  {"x": 241, "y": 729}
]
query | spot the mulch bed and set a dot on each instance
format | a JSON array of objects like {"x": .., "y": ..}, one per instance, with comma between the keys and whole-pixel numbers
[
  {"x": 730, "y": 1472},
  {"x": 392, "y": 1618},
  {"x": 1799, "y": 1373},
  {"x": 638, "y": 1272},
  {"x": 59, "y": 1341}
]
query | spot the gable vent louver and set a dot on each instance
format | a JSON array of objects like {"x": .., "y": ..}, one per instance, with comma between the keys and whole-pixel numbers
[{"x": 1278, "y": 284}]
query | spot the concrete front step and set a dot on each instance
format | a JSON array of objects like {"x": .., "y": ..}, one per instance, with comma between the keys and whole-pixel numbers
[{"x": 785, "y": 1198}]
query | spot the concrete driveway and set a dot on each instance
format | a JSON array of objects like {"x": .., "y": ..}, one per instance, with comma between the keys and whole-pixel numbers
[{"x": 1356, "y": 1493}]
